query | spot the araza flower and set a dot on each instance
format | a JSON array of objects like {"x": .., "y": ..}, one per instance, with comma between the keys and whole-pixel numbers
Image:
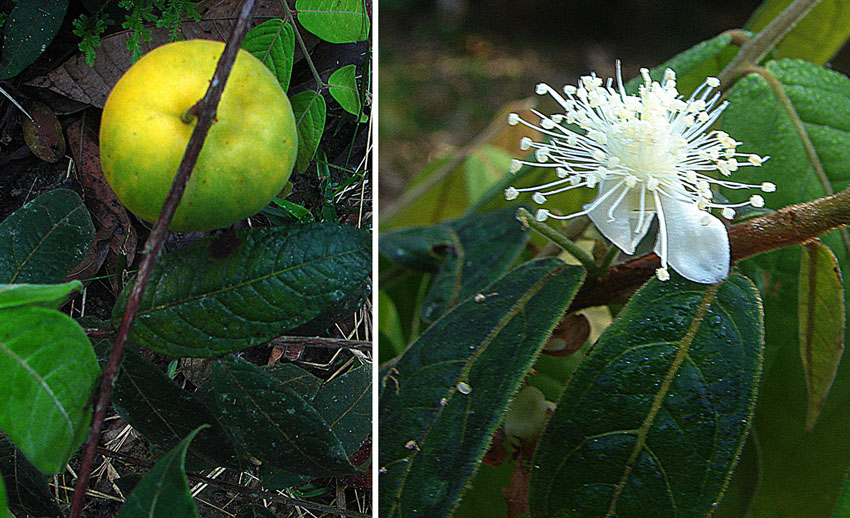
[{"x": 650, "y": 154}]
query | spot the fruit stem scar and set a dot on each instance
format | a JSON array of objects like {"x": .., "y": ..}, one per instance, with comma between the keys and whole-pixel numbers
[{"x": 190, "y": 115}]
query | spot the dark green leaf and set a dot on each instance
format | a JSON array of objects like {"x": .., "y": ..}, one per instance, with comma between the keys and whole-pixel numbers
[
  {"x": 253, "y": 510},
  {"x": 273, "y": 43},
  {"x": 164, "y": 492},
  {"x": 842, "y": 507},
  {"x": 821, "y": 307},
  {"x": 345, "y": 403},
  {"x": 705, "y": 59},
  {"x": 816, "y": 113},
  {"x": 28, "y": 31},
  {"x": 342, "y": 85},
  {"x": 653, "y": 420},
  {"x": 274, "y": 479},
  {"x": 816, "y": 38},
  {"x": 273, "y": 422},
  {"x": 738, "y": 497},
  {"x": 26, "y": 487},
  {"x": 487, "y": 246},
  {"x": 418, "y": 248},
  {"x": 443, "y": 399},
  {"x": 42, "y": 241},
  {"x": 4, "y": 504},
  {"x": 43, "y": 295},
  {"x": 335, "y": 21},
  {"x": 49, "y": 374},
  {"x": 164, "y": 413},
  {"x": 309, "y": 108},
  {"x": 276, "y": 279}
]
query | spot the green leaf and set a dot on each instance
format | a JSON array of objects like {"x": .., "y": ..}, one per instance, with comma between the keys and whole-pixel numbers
[
  {"x": 4, "y": 503},
  {"x": 346, "y": 404},
  {"x": 26, "y": 487},
  {"x": 842, "y": 507},
  {"x": 309, "y": 108},
  {"x": 486, "y": 247},
  {"x": 335, "y": 21},
  {"x": 418, "y": 248},
  {"x": 816, "y": 38},
  {"x": 821, "y": 308},
  {"x": 705, "y": 59},
  {"x": 342, "y": 85},
  {"x": 29, "y": 29},
  {"x": 42, "y": 241},
  {"x": 654, "y": 418},
  {"x": 273, "y": 43},
  {"x": 163, "y": 413},
  {"x": 806, "y": 138},
  {"x": 443, "y": 399},
  {"x": 738, "y": 497},
  {"x": 164, "y": 491},
  {"x": 391, "y": 341},
  {"x": 273, "y": 422},
  {"x": 45, "y": 295},
  {"x": 485, "y": 166},
  {"x": 50, "y": 372},
  {"x": 276, "y": 279}
]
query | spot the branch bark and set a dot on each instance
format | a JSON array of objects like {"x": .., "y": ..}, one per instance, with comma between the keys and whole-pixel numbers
[{"x": 206, "y": 112}]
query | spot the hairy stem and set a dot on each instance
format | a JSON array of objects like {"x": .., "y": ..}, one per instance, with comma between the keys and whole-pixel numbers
[
  {"x": 549, "y": 233},
  {"x": 790, "y": 226},
  {"x": 205, "y": 112},
  {"x": 754, "y": 50}
]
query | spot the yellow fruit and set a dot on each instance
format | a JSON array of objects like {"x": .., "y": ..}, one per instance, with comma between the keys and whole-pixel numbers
[{"x": 247, "y": 156}]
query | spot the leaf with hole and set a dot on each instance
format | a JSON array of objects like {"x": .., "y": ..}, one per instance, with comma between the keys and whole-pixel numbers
[
  {"x": 309, "y": 108},
  {"x": 164, "y": 491},
  {"x": 443, "y": 399},
  {"x": 276, "y": 279},
  {"x": 654, "y": 418},
  {"x": 42, "y": 241},
  {"x": 30, "y": 28},
  {"x": 273, "y": 43},
  {"x": 50, "y": 372},
  {"x": 335, "y": 21}
]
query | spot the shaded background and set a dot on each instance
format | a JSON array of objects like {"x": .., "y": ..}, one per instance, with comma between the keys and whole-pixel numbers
[{"x": 447, "y": 67}]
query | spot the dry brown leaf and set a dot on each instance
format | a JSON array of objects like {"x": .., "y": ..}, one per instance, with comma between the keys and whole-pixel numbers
[
  {"x": 112, "y": 223},
  {"x": 43, "y": 134},
  {"x": 569, "y": 336},
  {"x": 92, "y": 84},
  {"x": 516, "y": 492}
]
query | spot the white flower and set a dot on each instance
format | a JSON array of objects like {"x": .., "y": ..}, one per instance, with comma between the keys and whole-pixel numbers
[{"x": 649, "y": 154}]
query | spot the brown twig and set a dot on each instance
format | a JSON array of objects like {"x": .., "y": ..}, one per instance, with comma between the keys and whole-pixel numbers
[
  {"x": 328, "y": 343},
  {"x": 206, "y": 115},
  {"x": 792, "y": 225}
]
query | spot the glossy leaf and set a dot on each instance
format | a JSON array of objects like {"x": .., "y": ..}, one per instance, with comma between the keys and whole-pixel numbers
[
  {"x": 692, "y": 66},
  {"x": 164, "y": 491},
  {"x": 273, "y": 422},
  {"x": 26, "y": 487},
  {"x": 342, "y": 85},
  {"x": 49, "y": 374},
  {"x": 43, "y": 295},
  {"x": 345, "y": 403},
  {"x": 486, "y": 247},
  {"x": 4, "y": 503},
  {"x": 816, "y": 38},
  {"x": 31, "y": 26},
  {"x": 819, "y": 104},
  {"x": 42, "y": 241},
  {"x": 164, "y": 413},
  {"x": 335, "y": 21},
  {"x": 273, "y": 43},
  {"x": 275, "y": 280},
  {"x": 418, "y": 248},
  {"x": 653, "y": 420},
  {"x": 309, "y": 108},
  {"x": 443, "y": 399},
  {"x": 821, "y": 307}
]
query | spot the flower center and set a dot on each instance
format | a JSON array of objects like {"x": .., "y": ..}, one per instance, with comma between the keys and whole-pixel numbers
[{"x": 643, "y": 149}]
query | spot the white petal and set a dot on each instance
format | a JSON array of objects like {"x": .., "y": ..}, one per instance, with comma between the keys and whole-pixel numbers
[
  {"x": 698, "y": 252},
  {"x": 620, "y": 231}
]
